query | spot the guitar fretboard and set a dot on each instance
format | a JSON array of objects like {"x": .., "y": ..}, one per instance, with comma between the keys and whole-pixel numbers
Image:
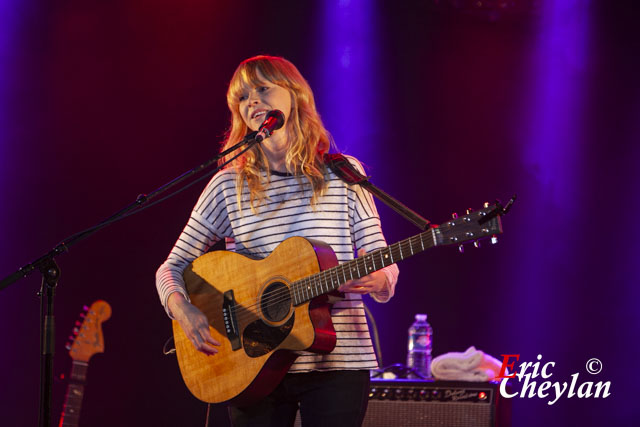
[
  {"x": 75, "y": 392},
  {"x": 328, "y": 280}
]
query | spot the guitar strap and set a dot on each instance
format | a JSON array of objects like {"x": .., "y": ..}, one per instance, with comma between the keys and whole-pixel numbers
[{"x": 349, "y": 174}]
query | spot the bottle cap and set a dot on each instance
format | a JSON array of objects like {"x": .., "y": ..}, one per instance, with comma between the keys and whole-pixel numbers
[{"x": 421, "y": 317}]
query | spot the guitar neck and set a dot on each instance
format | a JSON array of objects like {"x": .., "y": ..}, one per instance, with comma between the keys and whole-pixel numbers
[
  {"x": 329, "y": 280},
  {"x": 70, "y": 416}
]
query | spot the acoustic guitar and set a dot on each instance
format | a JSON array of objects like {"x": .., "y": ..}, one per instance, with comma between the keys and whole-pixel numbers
[
  {"x": 87, "y": 340},
  {"x": 262, "y": 311}
]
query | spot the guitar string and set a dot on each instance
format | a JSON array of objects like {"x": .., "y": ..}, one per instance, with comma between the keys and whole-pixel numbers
[
  {"x": 282, "y": 295},
  {"x": 279, "y": 296},
  {"x": 271, "y": 298}
]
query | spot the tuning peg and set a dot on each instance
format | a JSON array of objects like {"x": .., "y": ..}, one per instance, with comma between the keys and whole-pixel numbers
[
  {"x": 71, "y": 338},
  {"x": 85, "y": 308},
  {"x": 454, "y": 215},
  {"x": 469, "y": 210},
  {"x": 494, "y": 239},
  {"x": 476, "y": 243},
  {"x": 78, "y": 323},
  {"x": 75, "y": 331},
  {"x": 486, "y": 204},
  {"x": 461, "y": 249},
  {"x": 68, "y": 346}
]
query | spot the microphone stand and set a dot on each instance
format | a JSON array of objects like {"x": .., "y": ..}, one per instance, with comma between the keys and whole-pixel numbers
[{"x": 50, "y": 271}]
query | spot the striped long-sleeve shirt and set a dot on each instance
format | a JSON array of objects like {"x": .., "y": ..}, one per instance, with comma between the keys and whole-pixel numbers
[{"x": 345, "y": 217}]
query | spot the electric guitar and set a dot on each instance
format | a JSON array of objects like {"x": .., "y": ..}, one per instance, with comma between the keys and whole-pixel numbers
[
  {"x": 87, "y": 341},
  {"x": 262, "y": 311}
]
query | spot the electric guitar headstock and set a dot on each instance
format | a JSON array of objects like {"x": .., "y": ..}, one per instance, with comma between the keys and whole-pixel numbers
[{"x": 87, "y": 338}]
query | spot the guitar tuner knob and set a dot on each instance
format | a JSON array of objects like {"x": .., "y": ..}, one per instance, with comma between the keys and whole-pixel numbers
[
  {"x": 494, "y": 239},
  {"x": 71, "y": 338},
  {"x": 454, "y": 215},
  {"x": 85, "y": 308},
  {"x": 486, "y": 204},
  {"x": 469, "y": 210},
  {"x": 68, "y": 346},
  {"x": 78, "y": 323},
  {"x": 76, "y": 330},
  {"x": 461, "y": 249},
  {"x": 476, "y": 243},
  {"x": 82, "y": 315}
]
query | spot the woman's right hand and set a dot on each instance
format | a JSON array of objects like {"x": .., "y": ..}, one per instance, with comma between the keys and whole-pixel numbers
[{"x": 193, "y": 322}]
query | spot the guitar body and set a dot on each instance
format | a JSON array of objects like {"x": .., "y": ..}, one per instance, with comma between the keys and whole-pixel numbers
[
  {"x": 263, "y": 311},
  {"x": 251, "y": 312}
]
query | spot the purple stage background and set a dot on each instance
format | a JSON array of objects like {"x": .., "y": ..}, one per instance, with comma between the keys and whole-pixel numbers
[{"x": 448, "y": 107}]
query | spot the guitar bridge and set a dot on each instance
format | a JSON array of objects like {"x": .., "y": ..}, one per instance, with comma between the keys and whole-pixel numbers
[{"x": 230, "y": 320}]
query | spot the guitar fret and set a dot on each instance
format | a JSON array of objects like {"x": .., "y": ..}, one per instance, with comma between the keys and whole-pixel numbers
[
  {"x": 422, "y": 240},
  {"x": 410, "y": 247},
  {"x": 358, "y": 267},
  {"x": 298, "y": 295},
  {"x": 79, "y": 370},
  {"x": 301, "y": 291}
]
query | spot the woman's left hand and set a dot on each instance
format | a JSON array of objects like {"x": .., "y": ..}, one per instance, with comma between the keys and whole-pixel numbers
[{"x": 371, "y": 283}]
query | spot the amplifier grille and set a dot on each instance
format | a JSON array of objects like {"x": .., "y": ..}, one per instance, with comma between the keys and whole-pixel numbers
[{"x": 411, "y": 403}]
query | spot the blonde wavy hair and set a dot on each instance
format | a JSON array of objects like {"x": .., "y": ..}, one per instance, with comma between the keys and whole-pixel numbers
[{"x": 307, "y": 138}]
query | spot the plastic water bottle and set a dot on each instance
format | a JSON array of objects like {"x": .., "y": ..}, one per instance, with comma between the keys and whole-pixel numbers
[{"x": 419, "y": 355}]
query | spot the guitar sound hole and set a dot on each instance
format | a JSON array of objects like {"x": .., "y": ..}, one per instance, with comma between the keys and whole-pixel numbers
[{"x": 276, "y": 302}]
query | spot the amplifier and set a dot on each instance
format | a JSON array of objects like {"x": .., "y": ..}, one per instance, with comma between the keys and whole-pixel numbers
[{"x": 418, "y": 403}]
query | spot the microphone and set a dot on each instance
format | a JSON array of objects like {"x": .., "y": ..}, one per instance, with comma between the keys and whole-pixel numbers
[{"x": 273, "y": 121}]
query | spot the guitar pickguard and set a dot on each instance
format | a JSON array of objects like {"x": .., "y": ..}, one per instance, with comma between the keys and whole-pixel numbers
[{"x": 259, "y": 338}]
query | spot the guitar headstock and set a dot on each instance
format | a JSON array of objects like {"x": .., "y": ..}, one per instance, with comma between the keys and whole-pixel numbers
[
  {"x": 87, "y": 338},
  {"x": 473, "y": 227}
]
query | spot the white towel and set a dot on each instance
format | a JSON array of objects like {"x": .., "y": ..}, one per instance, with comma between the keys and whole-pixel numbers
[{"x": 472, "y": 365}]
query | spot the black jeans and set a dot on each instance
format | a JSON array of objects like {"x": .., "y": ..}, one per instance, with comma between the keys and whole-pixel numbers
[{"x": 332, "y": 398}]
